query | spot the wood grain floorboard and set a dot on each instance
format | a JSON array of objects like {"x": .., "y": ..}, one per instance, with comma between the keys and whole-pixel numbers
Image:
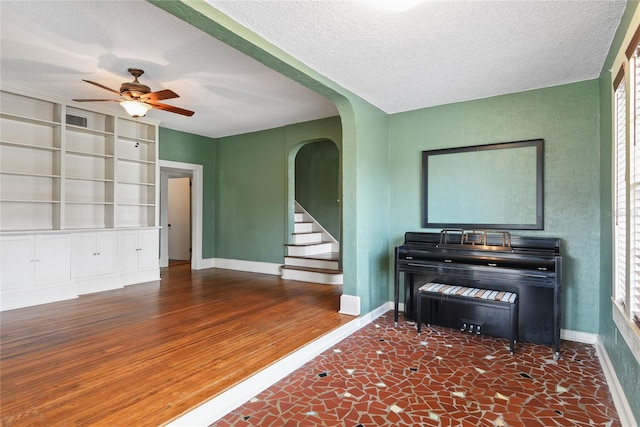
[{"x": 145, "y": 354}]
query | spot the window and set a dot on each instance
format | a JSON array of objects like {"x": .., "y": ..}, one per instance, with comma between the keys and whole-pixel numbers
[
  {"x": 626, "y": 178},
  {"x": 620, "y": 190},
  {"x": 634, "y": 196}
]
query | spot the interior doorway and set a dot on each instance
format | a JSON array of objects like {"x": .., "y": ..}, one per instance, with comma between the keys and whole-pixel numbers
[
  {"x": 179, "y": 219},
  {"x": 180, "y": 213}
]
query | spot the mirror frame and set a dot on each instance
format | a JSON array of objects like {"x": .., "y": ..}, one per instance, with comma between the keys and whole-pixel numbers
[{"x": 539, "y": 184}]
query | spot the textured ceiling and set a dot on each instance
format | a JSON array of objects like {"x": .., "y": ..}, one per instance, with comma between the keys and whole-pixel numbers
[
  {"x": 440, "y": 51},
  {"x": 437, "y": 53}
]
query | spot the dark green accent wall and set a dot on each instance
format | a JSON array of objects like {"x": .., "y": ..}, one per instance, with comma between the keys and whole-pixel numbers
[
  {"x": 624, "y": 363},
  {"x": 190, "y": 148},
  {"x": 566, "y": 117},
  {"x": 317, "y": 183}
]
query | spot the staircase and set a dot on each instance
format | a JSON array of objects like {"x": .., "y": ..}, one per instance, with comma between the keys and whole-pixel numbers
[{"x": 313, "y": 255}]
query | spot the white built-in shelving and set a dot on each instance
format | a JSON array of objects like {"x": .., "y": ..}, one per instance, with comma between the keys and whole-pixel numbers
[
  {"x": 65, "y": 167},
  {"x": 30, "y": 167},
  {"x": 70, "y": 169}
]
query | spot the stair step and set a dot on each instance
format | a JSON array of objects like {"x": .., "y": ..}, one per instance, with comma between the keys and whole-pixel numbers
[
  {"x": 298, "y": 217},
  {"x": 306, "y": 249},
  {"x": 312, "y": 261},
  {"x": 303, "y": 227},
  {"x": 315, "y": 275},
  {"x": 327, "y": 256},
  {"x": 311, "y": 237}
]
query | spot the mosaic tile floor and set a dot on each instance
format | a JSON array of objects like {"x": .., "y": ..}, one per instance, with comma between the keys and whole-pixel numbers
[{"x": 388, "y": 376}]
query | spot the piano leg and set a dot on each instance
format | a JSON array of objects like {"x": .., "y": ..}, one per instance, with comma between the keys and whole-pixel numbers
[
  {"x": 556, "y": 320},
  {"x": 513, "y": 311},
  {"x": 419, "y": 313},
  {"x": 396, "y": 290}
]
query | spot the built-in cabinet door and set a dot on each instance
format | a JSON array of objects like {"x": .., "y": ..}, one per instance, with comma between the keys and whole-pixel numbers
[
  {"x": 40, "y": 260},
  {"x": 148, "y": 254},
  {"x": 138, "y": 249},
  {"x": 53, "y": 259},
  {"x": 107, "y": 253},
  {"x": 17, "y": 262},
  {"x": 84, "y": 254},
  {"x": 95, "y": 253},
  {"x": 128, "y": 250}
]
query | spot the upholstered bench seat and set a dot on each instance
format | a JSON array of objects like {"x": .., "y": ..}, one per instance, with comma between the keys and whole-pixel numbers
[{"x": 500, "y": 300}]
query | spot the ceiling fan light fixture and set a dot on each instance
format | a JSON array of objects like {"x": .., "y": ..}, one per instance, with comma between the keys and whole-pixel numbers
[{"x": 135, "y": 108}]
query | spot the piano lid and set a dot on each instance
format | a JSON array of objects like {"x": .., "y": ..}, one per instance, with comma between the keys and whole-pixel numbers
[{"x": 495, "y": 242}]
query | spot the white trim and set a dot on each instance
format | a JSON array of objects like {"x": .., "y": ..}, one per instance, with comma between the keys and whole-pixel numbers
[
  {"x": 196, "y": 171},
  {"x": 350, "y": 305},
  {"x": 577, "y": 336},
  {"x": 335, "y": 245},
  {"x": 248, "y": 266},
  {"x": 10, "y": 300},
  {"x": 627, "y": 329},
  {"x": 205, "y": 263},
  {"x": 617, "y": 393},
  {"x": 216, "y": 408},
  {"x": 92, "y": 285}
]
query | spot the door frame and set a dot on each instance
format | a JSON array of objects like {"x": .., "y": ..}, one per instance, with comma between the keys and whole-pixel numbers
[{"x": 178, "y": 169}]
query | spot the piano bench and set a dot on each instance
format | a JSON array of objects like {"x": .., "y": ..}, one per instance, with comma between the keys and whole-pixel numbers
[{"x": 501, "y": 300}]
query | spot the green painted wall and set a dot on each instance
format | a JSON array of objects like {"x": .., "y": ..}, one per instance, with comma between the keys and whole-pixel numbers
[
  {"x": 189, "y": 148},
  {"x": 365, "y": 225},
  {"x": 317, "y": 183},
  {"x": 250, "y": 175},
  {"x": 625, "y": 364},
  {"x": 366, "y": 199},
  {"x": 566, "y": 117},
  {"x": 252, "y": 189}
]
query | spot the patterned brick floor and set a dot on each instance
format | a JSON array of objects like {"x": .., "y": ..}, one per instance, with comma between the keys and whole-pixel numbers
[{"x": 388, "y": 376}]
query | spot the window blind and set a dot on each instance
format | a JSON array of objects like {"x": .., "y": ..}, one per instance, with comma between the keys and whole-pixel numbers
[
  {"x": 620, "y": 196},
  {"x": 634, "y": 286}
]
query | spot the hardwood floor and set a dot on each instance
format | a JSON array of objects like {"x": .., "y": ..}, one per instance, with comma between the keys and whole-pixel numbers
[{"x": 147, "y": 353}]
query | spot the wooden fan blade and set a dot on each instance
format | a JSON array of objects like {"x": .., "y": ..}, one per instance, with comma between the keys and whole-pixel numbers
[
  {"x": 102, "y": 86},
  {"x": 171, "y": 108},
  {"x": 96, "y": 100},
  {"x": 159, "y": 95}
]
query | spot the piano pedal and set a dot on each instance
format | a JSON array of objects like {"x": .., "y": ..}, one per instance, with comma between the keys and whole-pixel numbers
[{"x": 471, "y": 326}]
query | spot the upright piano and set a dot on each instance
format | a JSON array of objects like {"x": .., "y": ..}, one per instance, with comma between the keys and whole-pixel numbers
[{"x": 528, "y": 266}]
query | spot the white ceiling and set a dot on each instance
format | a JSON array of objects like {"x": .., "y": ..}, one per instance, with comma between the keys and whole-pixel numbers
[{"x": 437, "y": 53}]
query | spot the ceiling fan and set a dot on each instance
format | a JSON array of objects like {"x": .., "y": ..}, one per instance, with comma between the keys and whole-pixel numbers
[{"x": 138, "y": 98}]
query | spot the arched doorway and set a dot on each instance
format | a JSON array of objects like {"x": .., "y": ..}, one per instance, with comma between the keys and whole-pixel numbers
[
  {"x": 313, "y": 245},
  {"x": 317, "y": 183}
]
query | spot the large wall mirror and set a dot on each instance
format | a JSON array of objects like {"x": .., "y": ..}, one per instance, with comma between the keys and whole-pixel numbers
[{"x": 494, "y": 186}]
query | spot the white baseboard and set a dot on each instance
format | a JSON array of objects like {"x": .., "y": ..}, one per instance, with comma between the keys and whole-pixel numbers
[
  {"x": 349, "y": 305},
  {"x": 577, "y": 336},
  {"x": 241, "y": 265},
  {"x": 37, "y": 296},
  {"x": 216, "y": 408},
  {"x": 99, "y": 284},
  {"x": 617, "y": 393},
  {"x": 206, "y": 263},
  {"x": 140, "y": 276}
]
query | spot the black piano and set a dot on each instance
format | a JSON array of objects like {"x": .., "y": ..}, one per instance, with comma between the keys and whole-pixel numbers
[{"x": 528, "y": 266}]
